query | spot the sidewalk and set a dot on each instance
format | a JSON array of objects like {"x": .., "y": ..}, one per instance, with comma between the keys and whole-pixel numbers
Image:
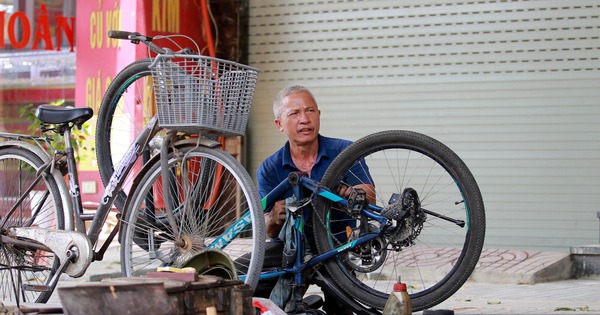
[
  {"x": 577, "y": 296},
  {"x": 505, "y": 282},
  {"x": 525, "y": 282}
]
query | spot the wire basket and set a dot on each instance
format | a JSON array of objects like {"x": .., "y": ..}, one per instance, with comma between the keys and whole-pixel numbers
[{"x": 197, "y": 94}]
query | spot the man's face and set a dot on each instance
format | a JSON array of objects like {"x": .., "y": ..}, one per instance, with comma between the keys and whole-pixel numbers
[{"x": 300, "y": 118}]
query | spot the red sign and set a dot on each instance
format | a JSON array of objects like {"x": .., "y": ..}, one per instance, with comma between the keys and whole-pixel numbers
[
  {"x": 39, "y": 30},
  {"x": 100, "y": 58}
]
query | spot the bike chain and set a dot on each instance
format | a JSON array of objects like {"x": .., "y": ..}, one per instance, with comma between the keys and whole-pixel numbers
[
  {"x": 314, "y": 209},
  {"x": 412, "y": 223}
]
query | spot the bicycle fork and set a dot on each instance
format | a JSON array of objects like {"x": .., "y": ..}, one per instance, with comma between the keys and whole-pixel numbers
[{"x": 169, "y": 196}]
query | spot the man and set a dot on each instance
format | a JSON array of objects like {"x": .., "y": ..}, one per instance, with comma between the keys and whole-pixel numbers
[{"x": 298, "y": 117}]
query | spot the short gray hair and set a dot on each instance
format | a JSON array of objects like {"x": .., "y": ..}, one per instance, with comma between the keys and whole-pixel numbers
[{"x": 290, "y": 89}]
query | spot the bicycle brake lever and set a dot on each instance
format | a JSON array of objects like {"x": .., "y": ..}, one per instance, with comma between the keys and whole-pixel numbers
[{"x": 186, "y": 51}]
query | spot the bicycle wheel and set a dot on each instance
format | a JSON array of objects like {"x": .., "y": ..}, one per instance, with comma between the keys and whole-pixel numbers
[
  {"x": 41, "y": 207},
  {"x": 210, "y": 191},
  {"x": 426, "y": 247},
  {"x": 128, "y": 97}
]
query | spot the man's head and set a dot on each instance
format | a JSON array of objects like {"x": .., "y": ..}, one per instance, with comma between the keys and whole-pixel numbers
[{"x": 297, "y": 114}]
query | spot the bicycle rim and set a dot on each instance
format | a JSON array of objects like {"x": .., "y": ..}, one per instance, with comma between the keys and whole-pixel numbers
[
  {"x": 42, "y": 208},
  {"x": 431, "y": 254},
  {"x": 126, "y": 108},
  {"x": 203, "y": 215}
]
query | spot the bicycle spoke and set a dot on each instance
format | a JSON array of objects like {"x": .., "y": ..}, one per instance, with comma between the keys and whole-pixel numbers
[
  {"x": 436, "y": 214},
  {"x": 206, "y": 201}
]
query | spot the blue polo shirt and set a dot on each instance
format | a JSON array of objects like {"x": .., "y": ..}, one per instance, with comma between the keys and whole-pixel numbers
[{"x": 278, "y": 166}]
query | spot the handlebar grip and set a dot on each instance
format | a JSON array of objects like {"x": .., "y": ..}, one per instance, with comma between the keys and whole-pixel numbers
[{"x": 121, "y": 34}]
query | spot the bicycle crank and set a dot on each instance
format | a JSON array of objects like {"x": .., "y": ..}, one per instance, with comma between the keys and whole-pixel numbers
[{"x": 73, "y": 249}]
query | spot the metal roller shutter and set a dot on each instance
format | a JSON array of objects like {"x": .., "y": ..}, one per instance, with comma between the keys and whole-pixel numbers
[{"x": 512, "y": 86}]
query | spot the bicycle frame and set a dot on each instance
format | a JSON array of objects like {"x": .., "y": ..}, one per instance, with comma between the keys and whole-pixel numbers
[
  {"x": 114, "y": 186},
  {"x": 295, "y": 182}
]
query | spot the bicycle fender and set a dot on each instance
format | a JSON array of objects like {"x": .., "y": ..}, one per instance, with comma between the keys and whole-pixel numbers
[
  {"x": 65, "y": 195},
  {"x": 200, "y": 142}
]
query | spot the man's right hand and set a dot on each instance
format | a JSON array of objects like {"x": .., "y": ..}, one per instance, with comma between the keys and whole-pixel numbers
[{"x": 274, "y": 219}]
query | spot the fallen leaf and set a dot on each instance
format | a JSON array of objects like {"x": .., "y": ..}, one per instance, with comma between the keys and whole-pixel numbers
[
  {"x": 558, "y": 309},
  {"x": 464, "y": 299}
]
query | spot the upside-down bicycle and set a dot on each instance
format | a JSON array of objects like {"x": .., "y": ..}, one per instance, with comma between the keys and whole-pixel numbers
[{"x": 419, "y": 218}]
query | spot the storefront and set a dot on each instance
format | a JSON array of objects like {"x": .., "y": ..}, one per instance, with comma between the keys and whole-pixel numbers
[
  {"x": 54, "y": 51},
  {"x": 511, "y": 86},
  {"x": 37, "y": 57}
]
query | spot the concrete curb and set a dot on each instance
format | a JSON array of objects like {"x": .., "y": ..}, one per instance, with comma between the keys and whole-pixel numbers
[
  {"x": 522, "y": 267},
  {"x": 586, "y": 260}
]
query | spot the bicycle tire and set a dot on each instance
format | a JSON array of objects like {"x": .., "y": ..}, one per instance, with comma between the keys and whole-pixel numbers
[
  {"x": 147, "y": 241},
  {"x": 443, "y": 184},
  {"x": 130, "y": 88},
  {"x": 18, "y": 168}
]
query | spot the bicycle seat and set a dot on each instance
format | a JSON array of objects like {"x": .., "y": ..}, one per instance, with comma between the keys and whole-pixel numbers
[{"x": 59, "y": 115}]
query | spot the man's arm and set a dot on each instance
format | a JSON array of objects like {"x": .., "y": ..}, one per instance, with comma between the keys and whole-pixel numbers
[
  {"x": 274, "y": 219},
  {"x": 275, "y": 216},
  {"x": 359, "y": 177},
  {"x": 344, "y": 191}
]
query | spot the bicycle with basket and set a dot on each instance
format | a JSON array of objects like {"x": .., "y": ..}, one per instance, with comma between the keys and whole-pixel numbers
[{"x": 42, "y": 223}]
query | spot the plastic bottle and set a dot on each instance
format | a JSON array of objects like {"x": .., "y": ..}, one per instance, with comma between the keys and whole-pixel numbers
[{"x": 399, "y": 302}]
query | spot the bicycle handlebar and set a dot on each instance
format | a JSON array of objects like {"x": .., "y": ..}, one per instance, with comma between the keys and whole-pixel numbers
[
  {"x": 127, "y": 35},
  {"x": 136, "y": 38}
]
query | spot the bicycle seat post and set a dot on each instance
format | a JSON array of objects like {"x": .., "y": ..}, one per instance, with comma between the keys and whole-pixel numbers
[{"x": 73, "y": 178}]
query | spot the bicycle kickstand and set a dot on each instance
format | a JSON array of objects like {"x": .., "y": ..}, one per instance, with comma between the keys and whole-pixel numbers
[{"x": 49, "y": 286}]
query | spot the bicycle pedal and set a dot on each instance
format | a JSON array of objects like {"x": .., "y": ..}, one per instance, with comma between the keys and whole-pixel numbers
[{"x": 35, "y": 287}]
